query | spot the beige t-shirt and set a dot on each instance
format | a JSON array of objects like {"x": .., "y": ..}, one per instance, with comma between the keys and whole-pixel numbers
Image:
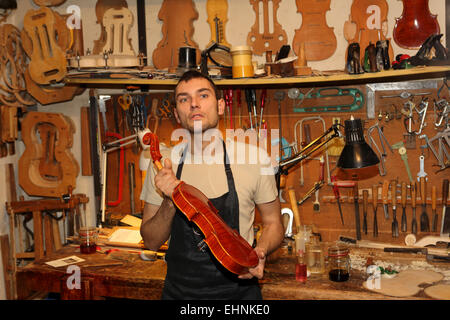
[{"x": 252, "y": 173}]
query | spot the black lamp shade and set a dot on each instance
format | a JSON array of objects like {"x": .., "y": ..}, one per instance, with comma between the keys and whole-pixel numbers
[{"x": 356, "y": 153}]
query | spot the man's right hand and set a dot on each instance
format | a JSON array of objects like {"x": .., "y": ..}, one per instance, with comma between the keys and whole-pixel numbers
[{"x": 165, "y": 179}]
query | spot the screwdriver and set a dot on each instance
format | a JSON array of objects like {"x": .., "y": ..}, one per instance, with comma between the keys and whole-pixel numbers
[
  {"x": 248, "y": 98},
  {"x": 337, "y": 196},
  {"x": 375, "y": 207}
]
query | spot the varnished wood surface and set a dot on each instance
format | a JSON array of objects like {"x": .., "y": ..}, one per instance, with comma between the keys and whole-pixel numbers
[{"x": 138, "y": 279}]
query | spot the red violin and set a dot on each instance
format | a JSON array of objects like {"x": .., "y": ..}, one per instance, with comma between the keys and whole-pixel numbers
[
  {"x": 415, "y": 25},
  {"x": 227, "y": 246}
]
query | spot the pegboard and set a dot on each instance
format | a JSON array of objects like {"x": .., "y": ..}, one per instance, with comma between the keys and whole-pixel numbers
[{"x": 326, "y": 221}]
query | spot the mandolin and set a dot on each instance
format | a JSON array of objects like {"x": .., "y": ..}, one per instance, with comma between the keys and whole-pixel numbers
[
  {"x": 227, "y": 246},
  {"x": 415, "y": 25}
]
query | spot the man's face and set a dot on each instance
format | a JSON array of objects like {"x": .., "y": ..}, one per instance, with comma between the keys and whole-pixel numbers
[{"x": 196, "y": 101}]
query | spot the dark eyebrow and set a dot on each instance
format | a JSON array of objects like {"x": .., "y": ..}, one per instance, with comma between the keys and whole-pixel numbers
[{"x": 198, "y": 91}]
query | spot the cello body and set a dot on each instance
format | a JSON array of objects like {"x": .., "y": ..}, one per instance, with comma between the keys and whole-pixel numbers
[
  {"x": 227, "y": 246},
  {"x": 415, "y": 25}
]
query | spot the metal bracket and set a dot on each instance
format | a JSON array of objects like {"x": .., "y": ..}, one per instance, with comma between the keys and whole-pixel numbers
[{"x": 372, "y": 88}]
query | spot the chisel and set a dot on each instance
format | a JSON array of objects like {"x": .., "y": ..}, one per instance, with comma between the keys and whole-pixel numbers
[
  {"x": 365, "y": 202},
  {"x": 394, "y": 209},
  {"x": 404, "y": 222},
  {"x": 357, "y": 223},
  {"x": 445, "y": 225},
  {"x": 433, "y": 208},
  {"x": 413, "y": 205},
  {"x": 384, "y": 195},
  {"x": 375, "y": 207},
  {"x": 424, "y": 222},
  {"x": 337, "y": 196}
]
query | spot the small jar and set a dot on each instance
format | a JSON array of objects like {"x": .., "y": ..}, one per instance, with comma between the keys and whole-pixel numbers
[
  {"x": 88, "y": 239},
  {"x": 338, "y": 263},
  {"x": 242, "y": 62},
  {"x": 314, "y": 256}
]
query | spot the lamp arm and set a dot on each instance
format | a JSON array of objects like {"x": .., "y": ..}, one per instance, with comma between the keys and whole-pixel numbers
[{"x": 312, "y": 147}]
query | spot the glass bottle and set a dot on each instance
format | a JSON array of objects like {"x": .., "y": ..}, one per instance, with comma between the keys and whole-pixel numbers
[
  {"x": 300, "y": 268},
  {"x": 338, "y": 263},
  {"x": 314, "y": 256}
]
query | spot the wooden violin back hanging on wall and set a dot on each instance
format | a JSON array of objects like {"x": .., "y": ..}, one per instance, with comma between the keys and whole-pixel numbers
[
  {"x": 415, "y": 25},
  {"x": 217, "y": 18},
  {"x": 47, "y": 168},
  {"x": 319, "y": 39},
  {"x": 177, "y": 29},
  {"x": 268, "y": 39}
]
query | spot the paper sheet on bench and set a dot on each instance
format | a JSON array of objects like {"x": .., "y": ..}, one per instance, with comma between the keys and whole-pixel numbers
[{"x": 126, "y": 236}]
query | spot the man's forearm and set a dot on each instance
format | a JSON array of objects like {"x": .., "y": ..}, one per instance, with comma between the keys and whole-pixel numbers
[
  {"x": 271, "y": 237},
  {"x": 156, "y": 229}
]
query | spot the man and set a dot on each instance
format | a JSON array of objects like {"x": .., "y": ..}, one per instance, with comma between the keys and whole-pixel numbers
[{"x": 233, "y": 189}]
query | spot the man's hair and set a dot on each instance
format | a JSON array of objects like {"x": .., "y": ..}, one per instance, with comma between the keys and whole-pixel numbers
[{"x": 193, "y": 74}]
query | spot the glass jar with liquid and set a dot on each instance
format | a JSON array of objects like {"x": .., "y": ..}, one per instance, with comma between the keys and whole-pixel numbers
[
  {"x": 338, "y": 263},
  {"x": 315, "y": 261},
  {"x": 88, "y": 239}
]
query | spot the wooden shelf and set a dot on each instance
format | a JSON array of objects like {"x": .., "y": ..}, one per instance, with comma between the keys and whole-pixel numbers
[{"x": 321, "y": 80}]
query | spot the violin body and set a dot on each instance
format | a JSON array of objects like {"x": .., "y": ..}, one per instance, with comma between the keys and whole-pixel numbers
[
  {"x": 177, "y": 30},
  {"x": 415, "y": 25},
  {"x": 318, "y": 38},
  {"x": 227, "y": 246}
]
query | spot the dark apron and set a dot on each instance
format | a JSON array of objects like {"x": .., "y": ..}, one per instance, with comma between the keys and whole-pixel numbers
[{"x": 196, "y": 274}]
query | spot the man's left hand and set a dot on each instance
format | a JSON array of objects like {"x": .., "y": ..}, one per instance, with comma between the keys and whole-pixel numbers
[{"x": 257, "y": 271}]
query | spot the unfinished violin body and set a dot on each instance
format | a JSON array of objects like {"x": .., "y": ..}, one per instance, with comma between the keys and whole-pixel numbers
[
  {"x": 415, "y": 25},
  {"x": 177, "y": 30},
  {"x": 319, "y": 39},
  {"x": 227, "y": 246}
]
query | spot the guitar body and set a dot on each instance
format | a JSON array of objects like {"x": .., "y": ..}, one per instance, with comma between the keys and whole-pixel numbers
[
  {"x": 415, "y": 25},
  {"x": 41, "y": 173},
  {"x": 319, "y": 39},
  {"x": 48, "y": 62},
  {"x": 177, "y": 30},
  {"x": 271, "y": 40}
]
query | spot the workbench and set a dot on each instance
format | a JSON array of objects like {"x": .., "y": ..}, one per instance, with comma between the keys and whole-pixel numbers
[{"x": 138, "y": 279}]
